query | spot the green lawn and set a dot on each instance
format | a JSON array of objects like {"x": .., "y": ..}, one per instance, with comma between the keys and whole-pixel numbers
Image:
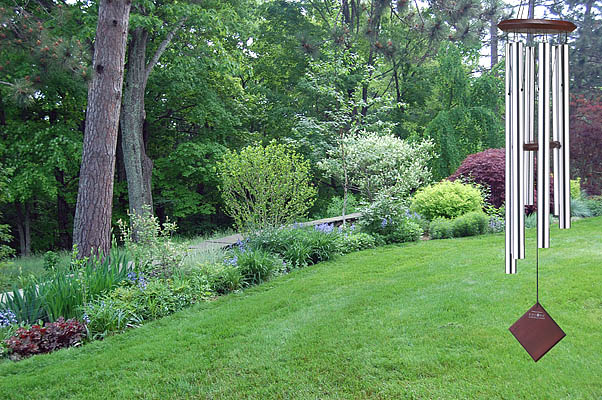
[{"x": 427, "y": 320}]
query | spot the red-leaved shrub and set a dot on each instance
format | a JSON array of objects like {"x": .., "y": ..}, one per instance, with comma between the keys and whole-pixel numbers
[
  {"x": 47, "y": 338},
  {"x": 485, "y": 168}
]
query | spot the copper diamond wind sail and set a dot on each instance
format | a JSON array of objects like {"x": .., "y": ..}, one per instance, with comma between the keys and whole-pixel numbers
[{"x": 537, "y": 130}]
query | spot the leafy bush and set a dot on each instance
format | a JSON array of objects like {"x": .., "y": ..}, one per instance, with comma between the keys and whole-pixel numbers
[
  {"x": 224, "y": 278},
  {"x": 389, "y": 221},
  {"x": 357, "y": 241},
  {"x": 107, "y": 316},
  {"x": 298, "y": 246},
  {"x": 377, "y": 162},
  {"x": 441, "y": 228},
  {"x": 447, "y": 199},
  {"x": 470, "y": 224},
  {"x": 51, "y": 260},
  {"x": 595, "y": 205},
  {"x": 575, "y": 188},
  {"x": 496, "y": 224},
  {"x": 255, "y": 265},
  {"x": 335, "y": 206},
  {"x": 27, "y": 304},
  {"x": 586, "y": 141},
  {"x": 486, "y": 168},
  {"x": 265, "y": 186},
  {"x": 151, "y": 244},
  {"x": 44, "y": 339}
]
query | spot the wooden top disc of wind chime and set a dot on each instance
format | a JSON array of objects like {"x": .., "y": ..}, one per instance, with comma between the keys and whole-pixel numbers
[{"x": 536, "y": 26}]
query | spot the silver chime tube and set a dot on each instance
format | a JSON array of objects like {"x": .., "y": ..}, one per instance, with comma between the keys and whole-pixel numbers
[
  {"x": 510, "y": 261},
  {"x": 518, "y": 161},
  {"x": 543, "y": 156},
  {"x": 565, "y": 200},
  {"x": 556, "y": 124},
  {"x": 529, "y": 121}
]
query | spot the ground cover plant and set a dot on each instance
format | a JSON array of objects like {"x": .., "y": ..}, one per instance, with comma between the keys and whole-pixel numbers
[{"x": 424, "y": 320}]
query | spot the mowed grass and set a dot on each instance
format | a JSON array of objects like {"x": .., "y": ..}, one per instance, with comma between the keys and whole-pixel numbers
[{"x": 427, "y": 320}]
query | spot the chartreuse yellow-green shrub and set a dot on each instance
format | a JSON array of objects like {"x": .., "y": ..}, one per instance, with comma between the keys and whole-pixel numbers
[
  {"x": 447, "y": 199},
  {"x": 265, "y": 186}
]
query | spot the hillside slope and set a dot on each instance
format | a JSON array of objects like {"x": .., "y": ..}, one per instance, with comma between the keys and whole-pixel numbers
[{"x": 425, "y": 320}]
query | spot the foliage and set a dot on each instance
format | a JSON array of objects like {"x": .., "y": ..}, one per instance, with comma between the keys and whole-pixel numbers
[
  {"x": 105, "y": 316},
  {"x": 223, "y": 278},
  {"x": 470, "y": 224},
  {"x": 486, "y": 168},
  {"x": 389, "y": 221},
  {"x": 151, "y": 244},
  {"x": 575, "y": 185},
  {"x": 335, "y": 206},
  {"x": 441, "y": 228},
  {"x": 356, "y": 241},
  {"x": 381, "y": 163},
  {"x": 595, "y": 205},
  {"x": 447, "y": 199},
  {"x": 586, "y": 142},
  {"x": 298, "y": 246},
  {"x": 64, "y": 291},
  {"x": 580, "y": 208},
  {"x": 44, "y": 339},
  {"x": 51, "y": 260},
  {"x": 467, "y": 120},
  {"x": 497, "y": 224},
  {"x": 255, "y": 265},
  {"x": 265, "y": 186}
]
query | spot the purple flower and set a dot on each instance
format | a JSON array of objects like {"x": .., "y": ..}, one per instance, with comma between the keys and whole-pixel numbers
[
  {"x": 383, "y": 223},
  {"x": 86, "y": 319},
  {"x": 324, "y": 228},
  {"x": 232, "y": 261}
]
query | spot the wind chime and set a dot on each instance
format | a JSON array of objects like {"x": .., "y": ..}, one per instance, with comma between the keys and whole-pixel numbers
[{"x": 536, "y": 64}]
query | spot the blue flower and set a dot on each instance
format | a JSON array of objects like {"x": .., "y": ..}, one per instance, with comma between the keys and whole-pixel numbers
[
  {"x": 7, "y": 318},
  {"x": 86, "y": 319},
  {"x": 383, "y": 223},
  {"x": 324, "y": 228},
  {"x": 232, "y": 261}
]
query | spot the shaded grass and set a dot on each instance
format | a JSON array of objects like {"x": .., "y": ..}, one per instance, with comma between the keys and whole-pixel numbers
[
  {"x": 14, "y": 270},
  {"x": 423, "y": 320}
]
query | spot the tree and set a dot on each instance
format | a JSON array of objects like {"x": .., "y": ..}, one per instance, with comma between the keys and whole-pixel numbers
[
  {"x": 381, "y": 163},
  {"x": 265, "y": 186},
  {"x": 92, "y": 223}
]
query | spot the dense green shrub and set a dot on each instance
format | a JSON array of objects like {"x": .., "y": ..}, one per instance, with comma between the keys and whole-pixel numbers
[
  {"x": 470, "y": 224},
  {"x": 255, "y": 265},
  {"x": 595, "y": 205},
  {"x": 298, "y": 246},
  {"x": 335, "y": 206},
  {"x": 447, "y": 199},
  {"x": 223, "y": 278},
  {"x": 265, "y": 186},
  {"x": 356, "y": 241},
  {"x": 389, "y": 221},
  {"x": 108, "y": 316},
  {"x": 441, "y": 228}
]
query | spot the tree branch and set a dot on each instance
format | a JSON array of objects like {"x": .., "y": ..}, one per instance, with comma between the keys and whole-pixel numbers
[{"x": 153, "y": 61}]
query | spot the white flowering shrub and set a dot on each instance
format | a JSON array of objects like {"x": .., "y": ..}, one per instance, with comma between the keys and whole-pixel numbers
[{"x": 381, "y": 163}]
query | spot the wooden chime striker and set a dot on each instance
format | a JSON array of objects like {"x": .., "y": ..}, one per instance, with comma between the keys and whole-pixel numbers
[{"x": 533, "y": 71}]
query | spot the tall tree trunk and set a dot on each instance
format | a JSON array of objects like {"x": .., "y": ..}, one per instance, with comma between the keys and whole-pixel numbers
[
  {"x": 92, "y": 222},
  {"x": 62, "y": 208},
  {"x": 132, "y": 120},
  {"x": 494, "y": 40},
  {"x": 24, "y": 227},
  {"x": 138, "y": 166}
]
